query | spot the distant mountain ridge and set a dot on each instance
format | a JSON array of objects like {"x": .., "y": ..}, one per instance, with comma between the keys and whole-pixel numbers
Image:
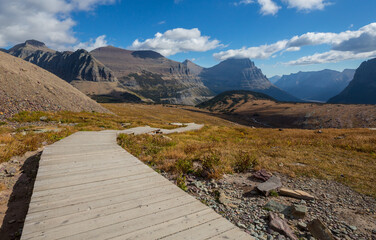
[
  {"x": 153, "y": 76},
  {"x": 111, "y": 74},
  {"x": 241, "y": 74},
  {"x": 362, "y": 89},
  {"x": 70, "y": 66},
  {"x": 79, "y": 68},
  {"x": 274, "y": 79},
  {"x": 316, "y": 85}
]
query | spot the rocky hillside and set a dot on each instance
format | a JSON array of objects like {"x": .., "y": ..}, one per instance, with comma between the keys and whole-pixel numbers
[
  {"x": 153, "y": 76},
  {"x": 227, "y": 100},
  {"x": 27, "y": 87},
  {"x": 241, "y": 74},
  {"x": 316, "y": 85},
  {"x": 79, "y": 68},
  {"x": 362, "y": 89}
]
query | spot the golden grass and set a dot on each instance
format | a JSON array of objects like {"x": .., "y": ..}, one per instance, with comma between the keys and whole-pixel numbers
[
  {"x": 17, "y": 142},
  {"x": 347, "y": 155}
]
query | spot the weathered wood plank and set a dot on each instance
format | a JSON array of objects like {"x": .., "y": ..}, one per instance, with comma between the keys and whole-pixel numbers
[{"x": 88, "y": 187}]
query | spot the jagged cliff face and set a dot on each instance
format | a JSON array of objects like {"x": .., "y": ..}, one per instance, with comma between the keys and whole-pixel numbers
[
  {"x": 362, "y": 89},
  {"x": 70, "y": 66},
  {"x": 153, "y": 76},
  {"x": 241, "y": 74}
]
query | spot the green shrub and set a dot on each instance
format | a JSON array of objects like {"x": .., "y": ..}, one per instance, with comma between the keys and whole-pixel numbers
[{"x": 244, "y": 162}]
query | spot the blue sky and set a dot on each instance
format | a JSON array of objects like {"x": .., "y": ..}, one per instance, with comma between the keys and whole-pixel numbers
[{"x": 206, "y": 31}]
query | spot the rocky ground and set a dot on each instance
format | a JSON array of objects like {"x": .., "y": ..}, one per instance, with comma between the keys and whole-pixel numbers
[{"x": 346, "y": 213}]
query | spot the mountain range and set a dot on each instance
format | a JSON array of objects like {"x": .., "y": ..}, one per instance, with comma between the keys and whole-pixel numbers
[
  {"x": 241, "y": 74},
  {"x": 110, "y": 74},
  {"x": 362, "y": 89},
  {"x": 316, "y": 85}
]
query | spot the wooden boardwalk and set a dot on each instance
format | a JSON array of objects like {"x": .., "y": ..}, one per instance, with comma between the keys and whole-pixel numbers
[{"x": 88, "y": 187}]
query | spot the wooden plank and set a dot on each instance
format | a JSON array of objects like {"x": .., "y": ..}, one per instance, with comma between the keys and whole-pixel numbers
[{"x": 88, "y": 187}]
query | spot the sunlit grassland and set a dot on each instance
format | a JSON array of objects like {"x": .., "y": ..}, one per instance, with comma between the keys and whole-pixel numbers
[{"x": 344, "y": 155}]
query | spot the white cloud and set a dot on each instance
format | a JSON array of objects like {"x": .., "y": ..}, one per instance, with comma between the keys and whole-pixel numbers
[
  {"x": 177, "y": 40},
  {"x": 243, "y": 2},
  {"x": 91, "y": 45},
  {"x": 352, "y": 44},
  {"x": 260, "y": 52},
  {"x": 268, "y": 7},
  {"x": 331, "y": 56},
  {"x": 46, "y": 20},
  {"x": 307, "y": 5}
]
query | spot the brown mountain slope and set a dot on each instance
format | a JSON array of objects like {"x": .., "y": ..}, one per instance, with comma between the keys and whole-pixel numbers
[
  {"x": 27, "y": 87},
  {"x": 79, "y": 68},
  {"x": 153, "y": 76},
  {"x": 252, "y": 109}
]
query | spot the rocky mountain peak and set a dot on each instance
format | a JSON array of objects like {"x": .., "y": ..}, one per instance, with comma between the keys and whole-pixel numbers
[
  {"x": 35, "y": 43},
  {"x": 241, "y": 62},
  {"x": 147, "y": 54}
]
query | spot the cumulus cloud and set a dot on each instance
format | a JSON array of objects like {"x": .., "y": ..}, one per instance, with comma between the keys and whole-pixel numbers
[
  {"x": 177, "y": 40},
  {"x": 268, "y": 7},
  {"x": 45, "y": 20},
  {"x": 92, "y": 44},
  {"x": 345, "y": 45},
  {"x": 307, "y": 5},
  {"x": 331, "y": 56}
]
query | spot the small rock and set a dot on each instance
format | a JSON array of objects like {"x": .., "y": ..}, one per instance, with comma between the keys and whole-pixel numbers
[
  {"x": 11, "y": 171},
  {"x": 319, "y": 131},
  {"x": 273, "y": 183},
  {"x": 262, "y": 175},
  {"x": 275, "y": 206},
  {"x": 298, "y": 211},
  {"x": 43, "y": 118},
  {"x": 302, "y": 226},
  {"x": 167, "y": 138},
  {"x": 353, "y": 228},
  {"x": 241, "y": 225},
  {"x": 319, "y": 230},
  {"x": 278, "y": 225},
  {"x": 296, "y": 194}
]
